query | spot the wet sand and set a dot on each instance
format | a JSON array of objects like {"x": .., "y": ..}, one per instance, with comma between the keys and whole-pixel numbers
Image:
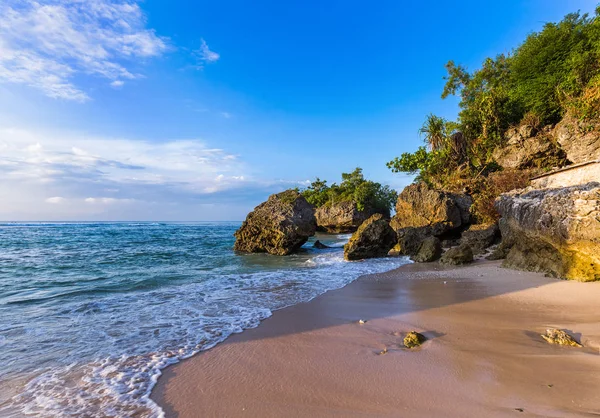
[{"x": 484, "y": 356}]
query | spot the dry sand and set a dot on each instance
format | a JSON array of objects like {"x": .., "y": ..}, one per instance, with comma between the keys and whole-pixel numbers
[{"x": 484, "y": 356}]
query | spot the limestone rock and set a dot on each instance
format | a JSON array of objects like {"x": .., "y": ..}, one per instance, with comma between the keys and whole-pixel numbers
[
  {"x": 579, "y": 139},
  {"x": 431, "y": 250},
  {"x": 556, "y": 231},
  {"x": 524, "y": 151},
  {"x": 558, "y": 336},
  {"x": 422, "y": 212},
  {"x": 342, "y": 217},
  {"x": 414, "y": 339},
  {"x": 457, "y": 255},
  {"x": 480, "y": 237},
  {"x": 374, "y": 238},
  {"x": 279, "y": 226}
]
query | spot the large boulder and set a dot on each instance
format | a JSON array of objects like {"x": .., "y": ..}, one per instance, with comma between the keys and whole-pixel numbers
[
  {"x": 422, "y": 212},
  {"x": 556, "y": 231},
  {"x": 374, "y": 238},
  {"x": 523, "y": 150},
  {"x": 431, "y": 250},
  {"x": 342, "y": 217},
  {"x": 279, "y": 226},
  {"x": 579, "y": 139},
  {"x": 457, "y": 255},
  {"x": 480, "y": 237}
]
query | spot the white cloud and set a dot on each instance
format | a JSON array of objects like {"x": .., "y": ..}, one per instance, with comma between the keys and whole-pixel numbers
[
  {"x": 106, "y": 200},
  {"x": 84, "y": 177},
  {"x": 206, "y": 54},
  {"x": 46, "y": 44},
  {"x": 117, "y": 84}
]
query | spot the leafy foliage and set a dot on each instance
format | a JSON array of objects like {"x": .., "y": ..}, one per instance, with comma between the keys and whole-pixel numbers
[
  {"x": 552, "y": 73},
  {"x": 365, "y": 193}
]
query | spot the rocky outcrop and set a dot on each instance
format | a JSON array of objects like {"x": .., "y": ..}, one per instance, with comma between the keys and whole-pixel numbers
[
  {"x": 279, "y": 226},
  {"x": 374, "y": 238},
  {"x": 579, "y": 139},
  {"x": 480, "y": 237},
  {"x": 524, "y": 149},
  {"x": 430, "y": 250},
  {"x": 457, "y": 255},
  {"x": 342, "y": 217},
  {"x": 422, "y": 212},
  {"x": 556, "y": 231}
]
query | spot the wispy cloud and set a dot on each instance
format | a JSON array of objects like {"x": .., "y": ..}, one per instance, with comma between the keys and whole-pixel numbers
[
  {"x": 47, "y": 44},
  {"x": 68, "y": 176},
  {"x": 205, "y": 56}
]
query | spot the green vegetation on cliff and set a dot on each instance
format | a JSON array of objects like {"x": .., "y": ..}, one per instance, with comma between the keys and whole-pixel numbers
[
  {"x": 365, "y": 193},
  {"x": 553, "y": 73}
]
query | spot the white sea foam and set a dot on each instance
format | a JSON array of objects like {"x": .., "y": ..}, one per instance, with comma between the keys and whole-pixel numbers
[{"x": 140, "y": 333}]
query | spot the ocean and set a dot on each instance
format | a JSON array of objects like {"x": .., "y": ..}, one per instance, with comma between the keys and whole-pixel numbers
[{"x": 91, "y": 312}]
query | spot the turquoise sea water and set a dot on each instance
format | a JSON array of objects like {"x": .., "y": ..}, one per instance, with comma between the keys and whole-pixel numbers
[{"x": 91, "y": 312}]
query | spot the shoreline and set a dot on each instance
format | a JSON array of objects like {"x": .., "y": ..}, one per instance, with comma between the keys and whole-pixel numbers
[{"x": 483, "y": 357}]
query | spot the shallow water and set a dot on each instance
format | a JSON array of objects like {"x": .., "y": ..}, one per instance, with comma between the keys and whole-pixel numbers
[{"x": 91, "y": 312}]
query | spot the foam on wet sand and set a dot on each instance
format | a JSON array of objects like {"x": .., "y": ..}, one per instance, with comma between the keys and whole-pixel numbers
[{"x": 483, "y": 356}]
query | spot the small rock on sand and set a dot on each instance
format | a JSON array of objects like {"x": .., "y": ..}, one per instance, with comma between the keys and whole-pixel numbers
[
  {"x": 558, "y": 336},
  {"x": 413, "y": 339}
]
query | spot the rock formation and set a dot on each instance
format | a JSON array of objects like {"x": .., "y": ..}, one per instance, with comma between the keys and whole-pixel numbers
[
  {"x": 374, "y": 238},
  {"x": 279, "y": 226},
  {"x": 457, "y": 255},
  {"x": 342, "y": 217},
  {"x": 422, "y": 212},
  {"x": 579, "y": 139},
  {"x": 524, "y": 149},
  {"x": 320, "y": 246},
  {"x": 480, "y": 237},
  {"x": 430, "y": 250},
  {"x": 556, "y": 231}
]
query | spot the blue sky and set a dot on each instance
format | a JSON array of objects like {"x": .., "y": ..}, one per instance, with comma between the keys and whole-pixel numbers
[{"x": 181, "y": 110}]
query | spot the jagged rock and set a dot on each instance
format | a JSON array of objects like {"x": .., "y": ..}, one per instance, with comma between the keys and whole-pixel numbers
[
  {"x": 374, "y": 238},
  {"x": 319, "y": 245},
  {"x": 342, "y": 217},
  {"x": 558, "y": 336},
  {"x": 449, "y": 243},
  {"x": 414, "y": 339},
  {"x": 480, "y": 237},
  {"x": 279, "y": 226},
  {"x": 422, "y": 212},
  {"x": 457, "y": 255},
  {"x": 524, "y": 151},
  {"x": 395, "y": 251},
  {"x": 579, "y": 139},
  {"x": 431, "y": 250},
  {"x": 556, "y": 231}
]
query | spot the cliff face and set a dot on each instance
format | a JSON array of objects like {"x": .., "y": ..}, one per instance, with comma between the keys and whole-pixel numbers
[
  {"x": 580, "y": 140},
  {"x": 279, "y": 226},
  {"x": 570, "y": 141},
  {"x": 556, "y": 231},
  {"x": 342, "y": 217}
]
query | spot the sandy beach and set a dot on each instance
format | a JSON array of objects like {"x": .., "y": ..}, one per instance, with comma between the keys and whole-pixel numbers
[{"x": 484, "y": 355}]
